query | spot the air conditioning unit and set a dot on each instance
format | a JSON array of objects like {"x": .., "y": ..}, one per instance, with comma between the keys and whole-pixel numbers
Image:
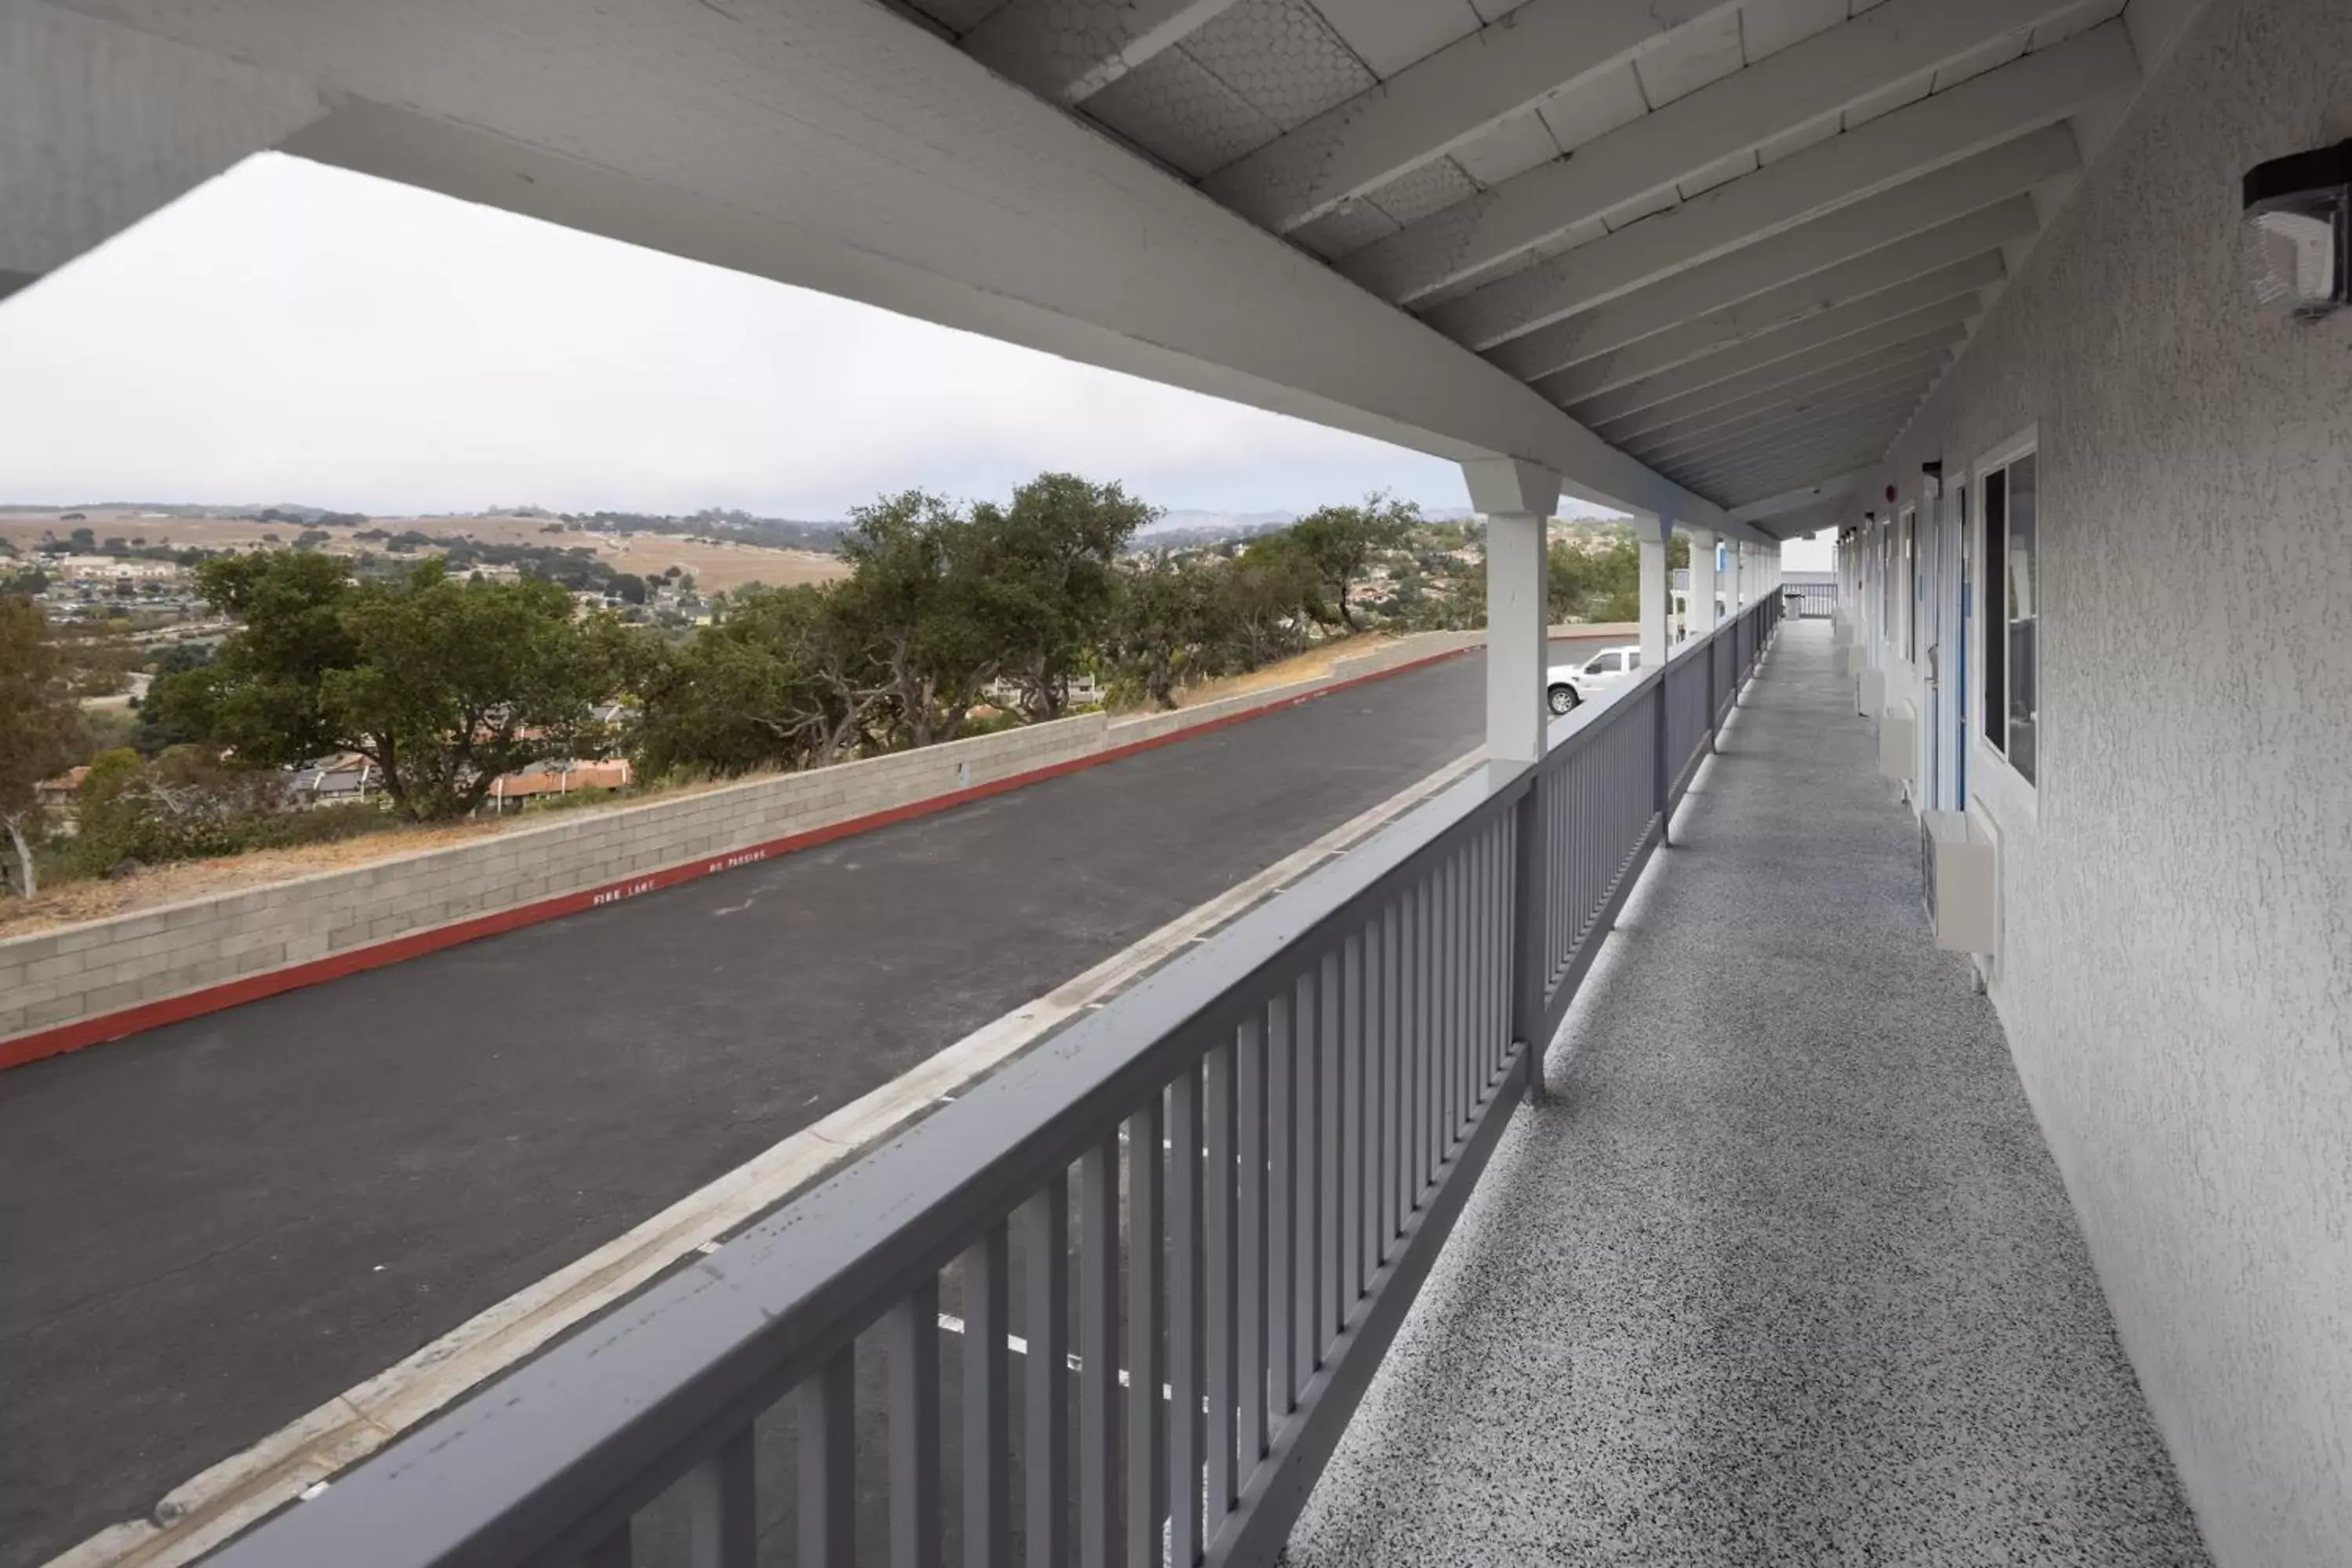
[
  {"x": 1870, "y": 691},
  {"x": 1898, "y": 743},
  {"x": 1857, "y": 658},
  {"x": 1961, "y": 865},
  {"x": 1841, "y": 630}
]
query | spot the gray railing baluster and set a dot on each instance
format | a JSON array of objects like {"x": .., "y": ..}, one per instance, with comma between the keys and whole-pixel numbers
[
  {"x": 826, "y": 1441},
  {"x": 1490, "y": 880},
  {"x": 1307, "y": 1055},
  {"x": 1353, "y": 1057},
  {"x": 1497, "y": 968},
  {"x": 1441, "y": 1014},
  {"x": 1045, "y": 1402},
  {"x": 1281, "y": 1203},
  {"x": 1407, "y": 1054},
  {"x": 1528, "y": 956},
  {"x": 1221, "y": 1258},
  {"x": 987, "y": 1401},
  {"x": 1098, "y": 1395},
  {"x": 1146, "y": 1241},
  {"x": 721, "y": 1506},
  {"x": 1331, "y": 1107},
  {"x": 1391, "y": 1083},
  {"x": 1185, "y": 1133},
  {"x": 911, "y": 1336},
  {"x": 1473, "y": 890},
  {"x": 1427, "y": 899},
  {"x": 1466, "y": 856},
  {"x": 1250, "y": 1332},
  {"x": 1369, "y": 1238},
  {"x": 1458, "y": 996}
]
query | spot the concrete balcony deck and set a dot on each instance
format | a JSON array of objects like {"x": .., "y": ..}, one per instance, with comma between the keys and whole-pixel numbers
[{"x": 1783, "y": 1271}]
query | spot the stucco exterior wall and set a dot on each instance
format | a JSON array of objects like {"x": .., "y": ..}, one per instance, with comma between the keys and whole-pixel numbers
[{"x": 2176, "y": 976}]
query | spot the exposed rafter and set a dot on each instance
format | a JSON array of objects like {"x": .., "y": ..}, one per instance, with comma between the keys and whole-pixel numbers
[
  {"x": 1913, "y": 376},
  {"x": 1823, "y": 75},
  {"x": 1804, "y": 500},
  {"x": 1440, "y": 102},
  {"x": 1936, "y": 324},
  {"x": 1036, "y": 44},
  {"x": 1851, "y": 300},
  {"x": 1871, "y": 367},
  {"x": 1966, "y": 141},
  {"x": 1843, "y": 413},
  {"x": 1962, "y": 280},
  {"x": 1782, "y": 423},
  {"x": 1814, "y": 265},
  {"x": 1833, "y": 454}
]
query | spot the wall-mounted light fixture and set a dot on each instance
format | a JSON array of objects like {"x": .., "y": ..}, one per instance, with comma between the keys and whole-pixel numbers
[{"x": 2295, "y": 239}]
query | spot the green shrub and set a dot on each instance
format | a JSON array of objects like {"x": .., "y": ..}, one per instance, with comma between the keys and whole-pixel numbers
[{"x": 187, "y": 805}]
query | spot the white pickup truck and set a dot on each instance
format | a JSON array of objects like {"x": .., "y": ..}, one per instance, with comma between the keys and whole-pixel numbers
[{"x": 1566, "y": 684}]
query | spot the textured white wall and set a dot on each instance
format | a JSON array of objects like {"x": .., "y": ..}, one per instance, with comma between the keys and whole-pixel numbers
[{"x": 2176, "y": 978}]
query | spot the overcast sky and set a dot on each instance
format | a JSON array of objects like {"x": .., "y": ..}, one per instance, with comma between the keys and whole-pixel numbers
[{"x": 292, "y": 332}]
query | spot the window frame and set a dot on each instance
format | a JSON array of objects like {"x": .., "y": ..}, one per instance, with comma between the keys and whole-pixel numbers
[{"x": 1994, "y": 780}]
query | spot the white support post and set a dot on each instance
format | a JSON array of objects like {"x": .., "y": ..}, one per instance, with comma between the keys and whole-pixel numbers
[
  {"x": 1701, "y": 619},
  {"x": 1518, "y": 500},
  {"x": 1657, "y": 590}
]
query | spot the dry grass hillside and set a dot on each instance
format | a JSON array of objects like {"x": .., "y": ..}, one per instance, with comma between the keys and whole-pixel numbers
[{"x": 716, "y": 564}]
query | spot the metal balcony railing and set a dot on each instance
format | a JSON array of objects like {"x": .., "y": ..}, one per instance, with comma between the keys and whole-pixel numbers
[
  {"x": 1205, "y": 1210},
  {"x": 1811, "y": 601}
]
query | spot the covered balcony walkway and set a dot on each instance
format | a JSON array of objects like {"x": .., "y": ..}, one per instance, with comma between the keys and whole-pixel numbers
[{"x": 1781, "y": 1270}]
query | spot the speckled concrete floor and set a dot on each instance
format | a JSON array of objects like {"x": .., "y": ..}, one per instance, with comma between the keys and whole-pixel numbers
[{"x": 1783, "y": 1273}]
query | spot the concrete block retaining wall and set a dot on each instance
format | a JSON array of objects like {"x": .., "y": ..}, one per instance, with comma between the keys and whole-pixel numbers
[{"x": 77, "y": 985}]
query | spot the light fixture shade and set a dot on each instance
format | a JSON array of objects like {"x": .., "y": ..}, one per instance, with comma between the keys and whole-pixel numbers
[{"x": 2295, "y": 239}]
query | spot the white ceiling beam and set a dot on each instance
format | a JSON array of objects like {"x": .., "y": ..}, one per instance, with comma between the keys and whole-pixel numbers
[
  {"x": 1033, "y": 42},
  {"x": 1783, "y": 93},
  {"x": 1911, "y": 381},
  {"x": 1831, "y": 453},
  {"x": 1798, "y": 430},
  {"x": 1744, "y": 487},
  {"x": 1911, "y": 365},
  {"x": 1808, "y": 267},
  {"x": 1710, "y": 233},
  {"x": 1824, "y": 294},
  {"x": 1780, "y": 426},
  {"x": 1751, "y": 488},
  {"x": 1962, "y": 277},
  {"x": 1937, "y": 323},
  {"x": 1827, "y": 493},
  {"x": 1913, "y": 376},
  {"x": 1976, "y": 121},
  {"x": 1772, "y": 398},
  {"x": 1827, "y": 512},
  {"x": 1441, "y": 103},
  {"x": 1887, "y": 362}
]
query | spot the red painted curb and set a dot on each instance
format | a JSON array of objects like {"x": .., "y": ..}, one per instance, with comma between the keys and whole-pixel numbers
[{"x": 194, "y": 1003}]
